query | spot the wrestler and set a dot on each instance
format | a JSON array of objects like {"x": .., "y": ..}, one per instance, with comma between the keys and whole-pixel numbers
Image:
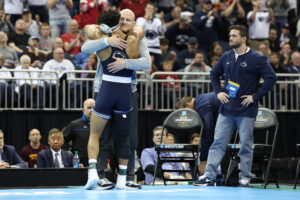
[{"x": 114, "y": 97}]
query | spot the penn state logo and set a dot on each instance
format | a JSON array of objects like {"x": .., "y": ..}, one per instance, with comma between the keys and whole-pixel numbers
[
  {"x": 150, "y": 34},
  {"x": 243, "y": 64},
  {"x": 119, "y": 54}
]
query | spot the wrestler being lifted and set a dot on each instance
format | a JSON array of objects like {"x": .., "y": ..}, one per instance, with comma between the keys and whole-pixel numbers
[{"x": 114, "y": 97}]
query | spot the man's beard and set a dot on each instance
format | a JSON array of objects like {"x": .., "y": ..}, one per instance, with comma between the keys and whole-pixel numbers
[{"x": 234, "y": 46}]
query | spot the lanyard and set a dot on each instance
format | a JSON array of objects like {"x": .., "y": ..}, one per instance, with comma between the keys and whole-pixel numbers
[{"x": 242, "y": 63}]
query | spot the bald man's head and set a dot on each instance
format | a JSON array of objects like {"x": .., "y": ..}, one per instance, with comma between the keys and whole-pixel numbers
[
  {"x": 127, "y": 20},
  {"x": 87, "y": 108}
]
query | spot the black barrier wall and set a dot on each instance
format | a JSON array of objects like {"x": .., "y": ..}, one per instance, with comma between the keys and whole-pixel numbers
[{"x": 17, "y": 124}]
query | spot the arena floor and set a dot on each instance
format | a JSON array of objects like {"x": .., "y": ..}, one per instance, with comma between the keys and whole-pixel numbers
[{"x": 174, "y": 192}]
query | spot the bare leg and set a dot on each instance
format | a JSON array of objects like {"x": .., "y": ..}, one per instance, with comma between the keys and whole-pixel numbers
[
  {"x": 96, "y": 129},
  {"x": 97, "y": 126}
]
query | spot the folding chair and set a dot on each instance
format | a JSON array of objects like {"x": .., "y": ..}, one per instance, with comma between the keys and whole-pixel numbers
[
  {"x": 181, "y": 122},
  {"x": 265, "y": 133},
  {"x": 298, "y": 166}
]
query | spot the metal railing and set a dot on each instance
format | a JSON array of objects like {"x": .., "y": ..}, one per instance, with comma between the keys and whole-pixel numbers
[{"x": 160, "y": 91}]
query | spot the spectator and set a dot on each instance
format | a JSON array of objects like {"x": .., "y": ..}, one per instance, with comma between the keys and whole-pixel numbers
[
  {"x": 198, "y": 65},
  {"x": 46, "y": 42},
  {"x": 7, "y": 94},
  {"x": 280, "y": 9},
  {"x": 185, "y": 5},
  {"x": 149, "y": 159},
  {"x": 8, "y": 156},
  {"x": 168, "y": 67},
  {"x": 206, "y": 22},
  {"x": 171, "y": 139},
  {"x": 73, "y": 39},
  {"x": 55, "y": 157},
  {"x": 153, "y": 28},
  {"x": 273, "y": 40},
  {"x": 280, "y": 88},
  {"x": 285, "y": 54},
  {"x": 8, "y": 52},
  {"x": 286, "y": 37},
  {"x": 30, "y": 151},
  {"x": 37, "y": 56},
  {"x": 259, "y": 24},
  {"x": 186, "y": 56},
  {"x": 58, "y": 64},
  {"x": 214, "y": 60},
  {"x": 215, "y": 50},
  {"x": 39, "y": 8},
  {"x": 179, "y": 33},
  {"x": 235, "y": 13},
  {"x": 58, "y": 43},
  {"x": 32, "y": 27},
  {"x": 246, "y": 4},
  {"x": 90, "y": 65},
  {"x": 137, "y": 6},
  {"x": 295, "y": 69},
  {"x": 14, "y": 8},
  {"x": 173, "y": 17},
  {"x": 30, "y": 90},
  {"x": 59, "y": 16},
  {"x": 90, "y": 10},
  {"x": 5, "y": 24},
  {"x": 77, "y": 132},
  {"x": 170, "y": 86},
  {"x": 263, "y": 49},
  {"x": 166, "y": 5},
  {"x": 18, "y": 40}
]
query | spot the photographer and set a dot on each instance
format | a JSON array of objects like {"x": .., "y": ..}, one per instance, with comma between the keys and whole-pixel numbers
[{"x": 197, "y": 66}]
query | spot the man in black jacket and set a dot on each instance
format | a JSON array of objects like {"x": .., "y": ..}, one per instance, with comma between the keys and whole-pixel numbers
[{"x": 77, "y": 132}]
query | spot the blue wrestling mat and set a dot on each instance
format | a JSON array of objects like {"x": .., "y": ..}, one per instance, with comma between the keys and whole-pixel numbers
[{"x": 174, "y": 192}]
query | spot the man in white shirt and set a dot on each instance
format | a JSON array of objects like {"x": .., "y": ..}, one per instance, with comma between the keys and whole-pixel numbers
[
  {"x": 60, "y": 65},
  {"x": 259, "y": 23},
  {"x": 153, "y": 28}
]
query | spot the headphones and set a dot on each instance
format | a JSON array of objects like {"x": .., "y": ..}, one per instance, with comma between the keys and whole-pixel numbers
[{"x": 107, "y": 30}]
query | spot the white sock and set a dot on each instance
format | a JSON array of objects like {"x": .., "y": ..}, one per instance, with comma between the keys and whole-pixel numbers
[{"x": 121, "y": 180}]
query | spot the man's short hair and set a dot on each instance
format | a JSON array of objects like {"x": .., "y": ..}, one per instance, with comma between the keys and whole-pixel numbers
[
  {"x": 183, "y": 101},
  {"x": 109, "y": 17},
  {"x": 157, "y": 128},
  {"x": 241, "y": 28},
  {"x": 53, "y": 131}
]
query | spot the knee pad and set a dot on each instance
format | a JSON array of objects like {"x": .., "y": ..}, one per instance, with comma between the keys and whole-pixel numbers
[
  {"x": 122, "y": 123},
  {"x": 121, "y": 126}
]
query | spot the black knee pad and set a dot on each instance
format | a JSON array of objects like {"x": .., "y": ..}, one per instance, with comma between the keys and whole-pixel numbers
[{"x": 121, "y": 126}]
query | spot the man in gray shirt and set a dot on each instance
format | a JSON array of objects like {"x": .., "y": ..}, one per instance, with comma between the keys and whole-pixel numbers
[
  {"x": 8, "y": 52},
  {"x": 59, "y": 16}
]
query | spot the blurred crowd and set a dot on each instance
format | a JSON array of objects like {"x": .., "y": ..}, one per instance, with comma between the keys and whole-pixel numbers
[{"x": 182, "y": 35}]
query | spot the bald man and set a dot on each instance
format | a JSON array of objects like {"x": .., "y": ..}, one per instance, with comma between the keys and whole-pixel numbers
[
  {"x": 30, "y": 151},
  {"x": 115, "y": 72},
  {"x": 77, "y": 132},
  {"x": 73, "y": 39}
]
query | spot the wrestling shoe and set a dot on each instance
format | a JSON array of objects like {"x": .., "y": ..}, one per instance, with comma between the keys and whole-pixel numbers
[
  {"x": 205, "y": 181},
  {"x": 93, "y": 179},
  {"x": 244, "y": 182},
  {"x": 104, "y": 184},
  {"x": 132, "y": 185}
]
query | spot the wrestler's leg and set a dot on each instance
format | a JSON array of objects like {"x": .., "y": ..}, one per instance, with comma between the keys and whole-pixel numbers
[
  {"x": 97, "y": 125},
  {"x": 96, "y": 129}
]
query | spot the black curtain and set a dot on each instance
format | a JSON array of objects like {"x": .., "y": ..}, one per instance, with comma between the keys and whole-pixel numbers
[{"x": 17, "y": 124}]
